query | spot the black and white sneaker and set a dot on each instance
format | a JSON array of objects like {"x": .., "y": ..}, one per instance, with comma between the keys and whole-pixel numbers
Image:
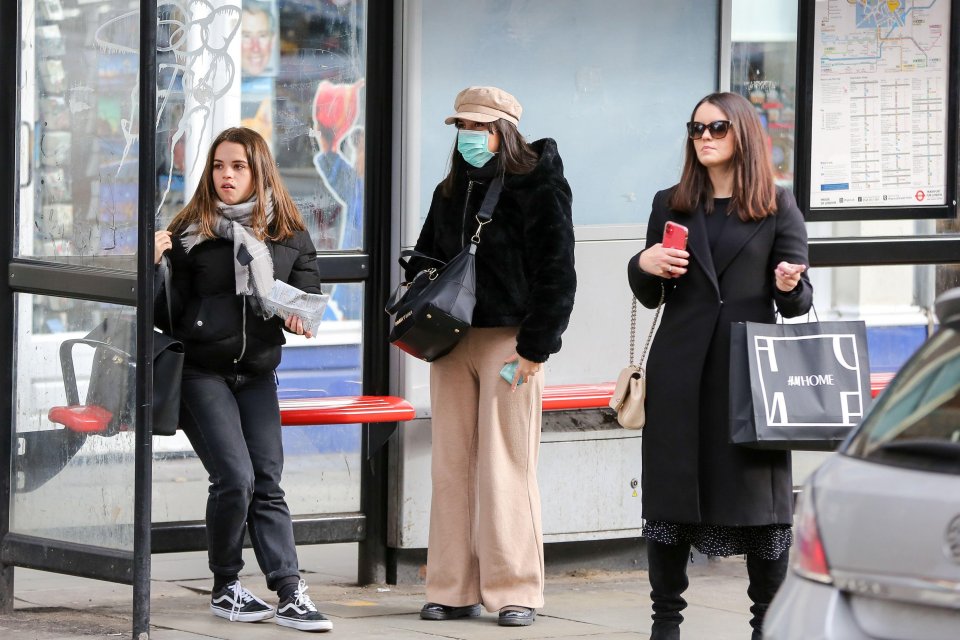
[
  {"x": 299, "y": 612},
  {"x": 235, "y": 603}
]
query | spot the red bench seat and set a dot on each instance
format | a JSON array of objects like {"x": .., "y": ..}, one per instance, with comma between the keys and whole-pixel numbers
[
  {"x": 345, "y": 410},
  {"x": 363, "y": 409}
]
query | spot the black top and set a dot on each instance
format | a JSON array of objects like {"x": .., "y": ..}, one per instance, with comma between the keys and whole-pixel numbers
[
  {"x": 525, "y": 269},
  {"x": 716, "y": 220},
  {"x": 220, "y": 330}
]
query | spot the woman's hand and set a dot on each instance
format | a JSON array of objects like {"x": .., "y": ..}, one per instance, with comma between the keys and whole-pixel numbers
[
  {"x": 525, "y": 369},
  {"x": 665, "y": 263},
  {"x": 295, "y": 325},
  {"x": 161, "y": 244},
  {"x": 788, "y": 275}
]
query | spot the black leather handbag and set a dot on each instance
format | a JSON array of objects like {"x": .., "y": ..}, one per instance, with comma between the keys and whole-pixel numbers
[
  {"x": 432, "y": 312},
  {"x": 113, "y": 374}
]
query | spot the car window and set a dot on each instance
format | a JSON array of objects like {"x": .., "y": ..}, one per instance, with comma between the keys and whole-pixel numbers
[{"x": 916, "y": 422}]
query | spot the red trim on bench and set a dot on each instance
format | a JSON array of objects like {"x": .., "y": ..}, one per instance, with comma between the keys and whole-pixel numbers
[
  {"x": 81, "y": 418},
  {"x": 345, "y": 410},
  {"x": 879, "y": 382},
  {"x": 364, "y": 409},
  {"x": 591, "y": 396},
  {"x": 577, "y": 396}
]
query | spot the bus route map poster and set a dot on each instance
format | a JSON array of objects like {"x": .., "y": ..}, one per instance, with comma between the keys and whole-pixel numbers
[{"x": 879, "y": 117}]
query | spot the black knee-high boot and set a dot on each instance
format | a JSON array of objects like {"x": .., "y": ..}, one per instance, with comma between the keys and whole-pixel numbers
[
  {"x": 766, "y": 576},
  {"x": 667, "y": 565}
]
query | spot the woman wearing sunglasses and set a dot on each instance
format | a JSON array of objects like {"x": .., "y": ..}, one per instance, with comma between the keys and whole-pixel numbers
[{"x": 746, "y": 257}]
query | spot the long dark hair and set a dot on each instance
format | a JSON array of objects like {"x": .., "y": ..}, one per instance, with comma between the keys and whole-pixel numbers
[
  {"x": 202, "y": 208},
  {"x": 754, "y": 191},
  {"x": 515, "y": 156}
]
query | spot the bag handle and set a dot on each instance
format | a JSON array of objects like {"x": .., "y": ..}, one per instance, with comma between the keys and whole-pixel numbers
[
  {"x": 653, "y": 327},
  {"x": 813, "y": 309}
]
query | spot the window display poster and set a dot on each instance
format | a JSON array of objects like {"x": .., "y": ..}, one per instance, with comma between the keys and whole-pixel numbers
[
  {"x": 879, "y": 116},
  {"x": 259, "y": 60},
  {"x": 259, "y": 53}
]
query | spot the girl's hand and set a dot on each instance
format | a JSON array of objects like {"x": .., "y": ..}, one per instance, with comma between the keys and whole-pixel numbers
[
  {"x": 525, "y": 369},
  {"x": 295, "y": 325},
  {"x": 161, "y": 244},
  {"x": 788, "y": 275},
  {"x": 665, "y": 263}
]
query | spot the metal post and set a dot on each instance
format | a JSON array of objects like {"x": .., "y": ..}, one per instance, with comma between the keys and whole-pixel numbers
[
  {"x": 143, "y": 472},
  {"x": 375, "y": 560},
  {"x": 9, "y": 50}
]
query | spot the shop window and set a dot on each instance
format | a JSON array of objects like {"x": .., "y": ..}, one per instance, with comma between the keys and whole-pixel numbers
[
  {"x": 292, "y": 71},
  {"x": 763, "y": 61}
]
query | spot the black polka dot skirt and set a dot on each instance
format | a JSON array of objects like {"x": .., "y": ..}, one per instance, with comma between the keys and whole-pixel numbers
[{"x": 768, "y": 541}]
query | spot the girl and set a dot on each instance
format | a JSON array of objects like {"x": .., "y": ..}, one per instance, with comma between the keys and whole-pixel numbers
[{"x": 239, "y": 233}]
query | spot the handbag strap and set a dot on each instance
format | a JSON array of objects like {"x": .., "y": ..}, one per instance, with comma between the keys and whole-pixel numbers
[
  {"x": 406, "y": 254},
  {"x": 485, "y": 214},
  {"x": 653, "y": 327},
  {"x": 166, "y": 268}
]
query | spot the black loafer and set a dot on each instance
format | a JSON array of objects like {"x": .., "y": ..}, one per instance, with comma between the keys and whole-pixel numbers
[
  {"x": 515, "y": 616},
  {"x": 434, "y": 611}
]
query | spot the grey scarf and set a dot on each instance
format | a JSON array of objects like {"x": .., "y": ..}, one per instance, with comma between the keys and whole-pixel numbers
[{"x": 253, "y": 267}]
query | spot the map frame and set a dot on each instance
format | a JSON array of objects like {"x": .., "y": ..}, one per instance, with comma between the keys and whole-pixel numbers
[{"x": 805, "y": 174}]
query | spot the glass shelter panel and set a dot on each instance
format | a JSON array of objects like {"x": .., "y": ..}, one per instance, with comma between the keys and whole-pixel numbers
[
  {"x": 78, "y": 126},
  {"x": 322, "y": 462},
  {"x": 73, "y": 421},
  {"x": 295, "y": 72},
  {"x": 607, "y": 80}
]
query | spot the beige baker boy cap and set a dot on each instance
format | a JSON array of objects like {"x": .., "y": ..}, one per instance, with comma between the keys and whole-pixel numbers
[{"x": 485, "y": 104}]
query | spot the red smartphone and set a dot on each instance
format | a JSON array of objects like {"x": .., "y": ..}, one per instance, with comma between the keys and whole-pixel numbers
[{"x": 674, "y": 236}]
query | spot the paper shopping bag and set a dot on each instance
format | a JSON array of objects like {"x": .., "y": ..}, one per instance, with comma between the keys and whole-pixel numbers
[{"x": 797, "y": 386}]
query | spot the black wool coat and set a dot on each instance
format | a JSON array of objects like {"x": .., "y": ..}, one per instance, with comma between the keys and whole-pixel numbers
[
  {"x": 525, "y": 264},
  {"x": 220, "y": 330},
  {"x": 691, "y": 473}
]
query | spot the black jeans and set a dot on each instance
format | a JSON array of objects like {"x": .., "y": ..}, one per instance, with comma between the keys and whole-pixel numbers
[{"x": 233, "y": 423}]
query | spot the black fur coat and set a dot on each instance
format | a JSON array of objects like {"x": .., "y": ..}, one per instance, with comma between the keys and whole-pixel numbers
[{"x": 525, "y": 267}]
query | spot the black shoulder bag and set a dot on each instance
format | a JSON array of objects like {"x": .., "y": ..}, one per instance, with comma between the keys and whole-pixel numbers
[
  {"x": 432, "y": 312},
  {"x": 113, "y": 374}
]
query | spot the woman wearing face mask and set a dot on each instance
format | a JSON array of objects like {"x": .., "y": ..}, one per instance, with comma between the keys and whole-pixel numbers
[{"x": 486, "y": 544}]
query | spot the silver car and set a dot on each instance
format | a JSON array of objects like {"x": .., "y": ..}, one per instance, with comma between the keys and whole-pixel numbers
[{"x": 877, "y": 550}]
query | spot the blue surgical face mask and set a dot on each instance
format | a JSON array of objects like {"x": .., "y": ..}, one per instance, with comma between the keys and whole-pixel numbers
[{"x": 472, "y": 145}]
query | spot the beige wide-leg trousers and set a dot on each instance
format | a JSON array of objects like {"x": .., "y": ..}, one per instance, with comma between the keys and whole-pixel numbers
[{"x": 486, "y": 541}]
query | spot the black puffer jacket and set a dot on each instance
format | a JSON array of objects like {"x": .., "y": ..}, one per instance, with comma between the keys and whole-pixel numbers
[
  {"x": 525, "y": 265},
  {"x": 220, "y": 330}
]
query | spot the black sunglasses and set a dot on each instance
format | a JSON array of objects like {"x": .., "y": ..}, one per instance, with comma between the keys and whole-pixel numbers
[{"x": 718, "y": 129}]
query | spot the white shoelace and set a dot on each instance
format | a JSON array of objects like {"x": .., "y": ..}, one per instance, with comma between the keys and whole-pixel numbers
[
  {"x": 302, "y": 599},
  {"x": 240, "y": 597}
]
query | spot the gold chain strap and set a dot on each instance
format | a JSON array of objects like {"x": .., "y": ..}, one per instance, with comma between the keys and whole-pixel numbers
[{"x": 653, "y": 327}]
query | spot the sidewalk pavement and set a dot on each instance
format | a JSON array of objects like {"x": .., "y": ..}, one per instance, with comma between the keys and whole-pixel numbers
[{"x": 595, "y": 605}]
